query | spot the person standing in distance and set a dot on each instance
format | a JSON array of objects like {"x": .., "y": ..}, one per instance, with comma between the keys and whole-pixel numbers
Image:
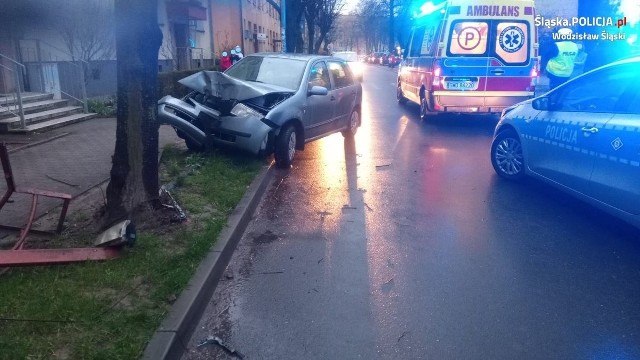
[
  {"x": 234, "y": 57},
  {"x": 562, "y": 59},
  {"x": 239, "y": 51},
  {"x": 225, "y": 61}
]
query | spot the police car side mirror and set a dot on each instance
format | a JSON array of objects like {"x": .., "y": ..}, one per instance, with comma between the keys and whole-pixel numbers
[{"x": 541, "y": 104}]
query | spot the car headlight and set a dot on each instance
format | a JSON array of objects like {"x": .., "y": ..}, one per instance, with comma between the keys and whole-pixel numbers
[{"x": 243, "y": 110}]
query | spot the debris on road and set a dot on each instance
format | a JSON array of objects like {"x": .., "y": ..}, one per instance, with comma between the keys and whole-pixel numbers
[
  {"x": 272, "y": 272},
  {"x": 368, "y": 207},
  {"x": 383, "y": 165},
  {"x": 214, "y": 340},
  {"x": 319, "y": 261},
  {"x": 349, "y": 207},
  {"x": 403, "y": 334}
]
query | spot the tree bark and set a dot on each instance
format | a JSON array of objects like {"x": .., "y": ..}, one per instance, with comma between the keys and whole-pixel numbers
[
  {"x": 392, "y": 42},
  {"x": 311, "y": 33},
  {"x": 134, "y": 173}
]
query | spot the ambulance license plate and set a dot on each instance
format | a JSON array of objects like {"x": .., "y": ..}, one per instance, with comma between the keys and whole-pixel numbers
[{"x": 461, "y": 84}]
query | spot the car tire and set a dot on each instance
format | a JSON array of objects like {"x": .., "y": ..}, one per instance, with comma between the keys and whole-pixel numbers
[
  {"x": 354, "y": 123},
  {"x": 507, "y": 157},
  {"x": 400, "y": 96},
  {"x": 286, "y": 146},
  {"x": 424, "y": 108}
]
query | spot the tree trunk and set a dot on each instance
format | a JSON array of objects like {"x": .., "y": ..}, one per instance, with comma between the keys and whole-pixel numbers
[
  {"x": 316, "y": 48},
  {"x": 392, "y": 42},
  {"x": 294, "y": 16},
  {"x": 311, "y": 33},
  {"x": 134, "y": 172}
]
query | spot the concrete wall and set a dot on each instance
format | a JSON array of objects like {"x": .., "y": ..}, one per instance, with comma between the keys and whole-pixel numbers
[{"x": 227, "y": 25}]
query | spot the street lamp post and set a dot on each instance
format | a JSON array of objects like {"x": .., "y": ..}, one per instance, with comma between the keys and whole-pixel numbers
[{"x": 283, "y": 24}]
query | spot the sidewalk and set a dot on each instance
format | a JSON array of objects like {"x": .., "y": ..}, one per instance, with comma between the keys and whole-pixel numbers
[{"x": 78, "y": 155}]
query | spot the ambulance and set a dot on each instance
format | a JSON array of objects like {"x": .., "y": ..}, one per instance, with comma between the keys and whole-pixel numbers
[{"x": 470, "y": 56}]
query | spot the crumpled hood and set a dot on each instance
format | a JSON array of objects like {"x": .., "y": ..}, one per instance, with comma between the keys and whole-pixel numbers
[{"x": 226, "y": 87}]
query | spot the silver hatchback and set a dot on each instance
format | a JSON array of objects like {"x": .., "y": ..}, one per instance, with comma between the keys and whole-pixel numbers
[
  {"x": 583, "y": 137},
  {"x": 267, "y": 103}
]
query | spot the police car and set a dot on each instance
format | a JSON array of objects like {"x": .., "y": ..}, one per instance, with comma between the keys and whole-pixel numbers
[{"x": 583, "y": 137}]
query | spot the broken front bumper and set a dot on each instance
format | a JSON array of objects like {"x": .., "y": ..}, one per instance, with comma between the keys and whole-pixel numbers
[{"x": 247, "y": 133}]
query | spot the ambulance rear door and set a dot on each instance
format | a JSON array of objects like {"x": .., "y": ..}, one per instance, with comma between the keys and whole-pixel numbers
[
  {"x": 511, "y": 63},
  {"x": 464, "y": 67}
]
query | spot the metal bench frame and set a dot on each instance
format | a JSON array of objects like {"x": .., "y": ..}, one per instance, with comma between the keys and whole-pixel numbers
[{"x": 35, "y": 193}]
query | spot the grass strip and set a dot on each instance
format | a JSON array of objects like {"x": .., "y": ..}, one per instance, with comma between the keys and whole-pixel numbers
[{"x": 110, "y": 310}]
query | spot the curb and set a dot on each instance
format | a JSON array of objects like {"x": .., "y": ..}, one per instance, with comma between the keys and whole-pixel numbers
[{"x": 176, "y": 329}]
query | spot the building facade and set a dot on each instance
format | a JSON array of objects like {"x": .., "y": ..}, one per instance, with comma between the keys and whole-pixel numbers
[{"x": 261, "y": 30}]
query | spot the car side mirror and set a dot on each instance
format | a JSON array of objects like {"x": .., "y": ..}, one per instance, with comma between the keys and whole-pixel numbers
[
  {"x": 318, "y": 90},
  {"x": 541, "y": 103}
]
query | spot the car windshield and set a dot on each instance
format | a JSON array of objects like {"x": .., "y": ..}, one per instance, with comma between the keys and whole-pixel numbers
[
  {"x": 286, "y": 73},
  {"x": 348, "y": 56}
]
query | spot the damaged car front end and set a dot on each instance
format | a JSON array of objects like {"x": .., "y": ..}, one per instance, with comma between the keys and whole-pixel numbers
[{"x": 223, "y": 110}]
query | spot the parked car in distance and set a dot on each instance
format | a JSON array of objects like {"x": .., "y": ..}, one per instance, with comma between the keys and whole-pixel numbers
[
  {"x": 581, "y": 137},
  {"x": 351, "y": 57},
  {"x": 267, "y": 103},
  {"x": 375, "y": 57},
  {"x": 393, "y": 60},
  {"x": 384, "y": 59}
]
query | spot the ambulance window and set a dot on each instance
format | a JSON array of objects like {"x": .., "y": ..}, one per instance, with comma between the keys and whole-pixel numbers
[
  {"x": 512, "y": 42},
  {"x": 428, "y": 48},
  {"x": 468, "y": 38},
  {"x": 416, "y": 43}
]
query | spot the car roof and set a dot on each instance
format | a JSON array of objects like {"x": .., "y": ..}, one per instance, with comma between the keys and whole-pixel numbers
[{"x": 304, "y": 57}]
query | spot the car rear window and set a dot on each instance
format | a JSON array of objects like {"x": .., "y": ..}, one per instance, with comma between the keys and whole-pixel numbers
[
  {"x": 511, "y": 42},
  {"x": 468, "y": 38}
]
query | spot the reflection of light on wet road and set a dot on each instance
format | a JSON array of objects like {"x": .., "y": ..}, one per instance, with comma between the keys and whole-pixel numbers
[{"x": 404, "y": 120}]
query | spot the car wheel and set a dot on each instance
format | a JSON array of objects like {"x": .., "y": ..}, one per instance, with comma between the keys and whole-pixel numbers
[
  {"x": 400, "y": 96},
  {"x": 424, "y": 108},
  {"x": 354, "y": 122},
  {"x": 506, "y": 155},
  {"x": 286, "y": 146}
]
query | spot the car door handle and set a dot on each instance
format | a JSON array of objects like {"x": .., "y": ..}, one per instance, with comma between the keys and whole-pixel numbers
[
  {"x": 591, "y": 130},
  {"x": 497, "y": 72}
]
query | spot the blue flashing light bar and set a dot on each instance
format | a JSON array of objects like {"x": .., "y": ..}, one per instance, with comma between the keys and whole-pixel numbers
[{"x": 429, "y": 8}]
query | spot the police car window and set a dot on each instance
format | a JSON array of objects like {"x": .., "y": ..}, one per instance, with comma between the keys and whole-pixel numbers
[
  {"x": 341, "y": 75},
  {"x": 598, "y": 92},
  {"x": 416, "y": 43},
  {"x": 319, "y": 76},
  {"x": 511, "y": 42},
  {"x": 468, "y": 38}
]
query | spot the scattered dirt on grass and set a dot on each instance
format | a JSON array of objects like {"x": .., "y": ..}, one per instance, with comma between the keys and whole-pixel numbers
[
  {"x": 63, "y": 353},
  {"x": 84, "y": 222}
]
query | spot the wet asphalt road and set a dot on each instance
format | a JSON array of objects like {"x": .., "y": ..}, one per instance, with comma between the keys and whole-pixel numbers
[{"x": 406, "y": 245}]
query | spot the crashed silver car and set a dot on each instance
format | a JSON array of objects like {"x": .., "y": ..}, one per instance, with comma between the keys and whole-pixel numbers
[{"x": 267, "y": 103}]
